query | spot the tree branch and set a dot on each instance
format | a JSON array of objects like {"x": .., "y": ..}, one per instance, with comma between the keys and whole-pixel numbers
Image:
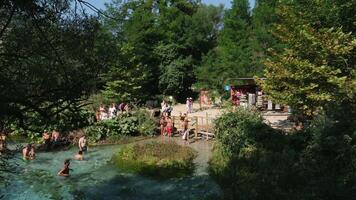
[{"x": 7, "y": 22}]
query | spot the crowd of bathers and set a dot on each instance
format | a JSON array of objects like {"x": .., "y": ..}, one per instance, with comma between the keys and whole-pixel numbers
[
  {"x": 167, "y": 126},
  {"x": 54, "y": 139},
  {"x": 29, "y": 152}
]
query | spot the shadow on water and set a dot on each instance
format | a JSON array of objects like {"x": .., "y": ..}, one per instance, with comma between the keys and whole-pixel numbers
[{"x": 135, "y": 187}]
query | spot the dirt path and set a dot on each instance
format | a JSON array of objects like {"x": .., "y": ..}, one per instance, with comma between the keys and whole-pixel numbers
[
  {"x": 211, "y": 112},
  {"x": 203, "y": 147},
  {"x": 275, "y": 119}
]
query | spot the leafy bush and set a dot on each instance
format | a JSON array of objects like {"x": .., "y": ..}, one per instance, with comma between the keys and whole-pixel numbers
[
  {"x": 146, "y": 124},
  {"x": 122, "y": 125},
  {"x": 65, "y": 121},
  {"x": 139, "y": 122},
  {"x": 254, "y": 161},
  {"x": 159, "y": 160},
  {"x": 236, "y": 130}
]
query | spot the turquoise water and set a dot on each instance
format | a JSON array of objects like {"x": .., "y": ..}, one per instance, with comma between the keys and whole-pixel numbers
[{"x": 97, "y": 178}]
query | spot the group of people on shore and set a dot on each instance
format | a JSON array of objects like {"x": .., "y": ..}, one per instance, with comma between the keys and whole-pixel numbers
[
  {"x": 167, "y": 126},
  {"x": 110, "y": 112},
  {"x": 29, "y": 152}
]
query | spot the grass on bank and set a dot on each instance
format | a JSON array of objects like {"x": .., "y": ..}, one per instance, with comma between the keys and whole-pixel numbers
[{"x": 156, "y": 159}]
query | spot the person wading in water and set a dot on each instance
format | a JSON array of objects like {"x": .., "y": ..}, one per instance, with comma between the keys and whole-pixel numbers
[{"x": 65, "y": 170}]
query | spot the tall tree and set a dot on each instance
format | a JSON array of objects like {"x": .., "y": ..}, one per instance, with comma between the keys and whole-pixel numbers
[
  {"x": 191, "y": 31},
  {"x": 50, "y": 57},
  {"x": 168, "y": 38},
  {"x": 317, "y": 68},
  {"x": 233, "y": 56}
]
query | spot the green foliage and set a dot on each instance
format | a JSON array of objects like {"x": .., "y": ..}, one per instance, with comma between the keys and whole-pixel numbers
[
  {"x": 50, "y": 60},
  {"x": 127, "y": 78},
  {"x": 317, "y": 68},
  {"x": 159, "y": 160},
  {"x": 254, "y": 161},
  {"x": 241, "y": 45},
  {"x": 166, "y": 40},
  {"x": 122, "y": 125},
  {"x": 146, "y": 123},
  {"x": 139, "y": 122},
  {"x": 234, "y": 130},
  {"x": 65, "y": 121}
]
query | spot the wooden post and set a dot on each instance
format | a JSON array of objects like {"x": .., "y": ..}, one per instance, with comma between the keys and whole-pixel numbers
[
  {"x": 174, "y": 121},
  {"x": 196, "y": 127},
  {"x": 207, "y": 120},
  {"x": 200, "y": 100}
]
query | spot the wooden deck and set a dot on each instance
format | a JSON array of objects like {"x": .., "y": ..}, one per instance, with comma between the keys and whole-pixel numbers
[{"x": 202, "y": 126}]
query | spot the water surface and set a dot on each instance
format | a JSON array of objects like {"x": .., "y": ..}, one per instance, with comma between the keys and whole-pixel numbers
[{"x": 97, "y": 178}]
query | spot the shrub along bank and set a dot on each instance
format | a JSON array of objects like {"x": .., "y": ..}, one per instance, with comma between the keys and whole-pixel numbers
[
  {"x": 253, "y": 161},
  {"x": 156, "y": 159},
  {"x": 137, "y": 123}
]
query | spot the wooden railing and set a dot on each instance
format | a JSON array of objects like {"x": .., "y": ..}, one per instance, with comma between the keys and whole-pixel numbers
[{"x": 202, "y": 126}]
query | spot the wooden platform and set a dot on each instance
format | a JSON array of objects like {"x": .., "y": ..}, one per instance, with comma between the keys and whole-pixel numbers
[{"x": 202, "y": 126}]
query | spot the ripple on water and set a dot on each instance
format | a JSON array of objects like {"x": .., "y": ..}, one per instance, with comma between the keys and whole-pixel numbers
[{"x": 96, "y": 178}]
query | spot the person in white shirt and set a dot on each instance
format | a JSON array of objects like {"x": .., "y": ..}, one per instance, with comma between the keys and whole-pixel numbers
[
  {"x": 103, "y": 114},
  {"x": 112, "y": 111}
]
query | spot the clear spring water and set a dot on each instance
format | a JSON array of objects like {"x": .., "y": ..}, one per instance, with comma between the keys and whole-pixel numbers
[{"x": 97, "y": 178}]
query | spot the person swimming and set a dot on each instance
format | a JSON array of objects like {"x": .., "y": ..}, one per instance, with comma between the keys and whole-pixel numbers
[
  {"x": 32, "y": 153},
  {"x": 79, "y": 156},
  {"x": 65, "y": 170},
  {"x": 26, "y": 152}
]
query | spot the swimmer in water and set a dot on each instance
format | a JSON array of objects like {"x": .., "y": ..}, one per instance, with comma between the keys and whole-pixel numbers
[
  {"x": 65, "y": 170},
  {"x": 26, "y": 152},
  {"x": 79, "y": 156}
]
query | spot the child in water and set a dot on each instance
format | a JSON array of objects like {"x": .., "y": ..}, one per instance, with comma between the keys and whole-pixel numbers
[{"x": 65, "y": 170}]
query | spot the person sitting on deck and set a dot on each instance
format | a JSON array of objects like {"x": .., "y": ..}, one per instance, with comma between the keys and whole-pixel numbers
[
  {"x": 79, "y": 156},
  {"x": 65, "y": 170}
]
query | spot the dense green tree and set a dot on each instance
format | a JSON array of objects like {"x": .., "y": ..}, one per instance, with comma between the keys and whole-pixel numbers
[
  {"x": 50, "y": 58},
  {"x": 242, "y": 45},
  {"x": 317, "y": 68},
  {"x": 126, "y": 78},
  {"x": 168, "y": 38},
  {"x": 189, "y": 35}
]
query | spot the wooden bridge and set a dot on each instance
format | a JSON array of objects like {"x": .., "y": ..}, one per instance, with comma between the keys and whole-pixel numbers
[{"x": 202, "y": 126}]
